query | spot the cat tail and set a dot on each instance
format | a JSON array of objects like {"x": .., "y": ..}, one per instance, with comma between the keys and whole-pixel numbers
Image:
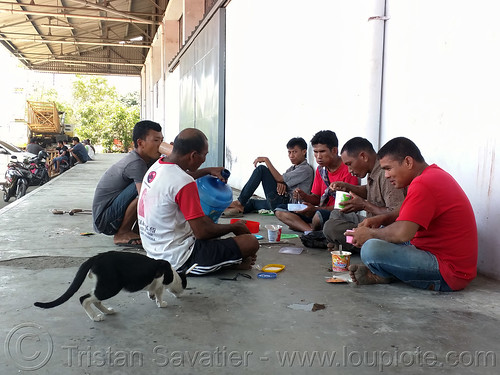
[{"x": 73, "y": 288}]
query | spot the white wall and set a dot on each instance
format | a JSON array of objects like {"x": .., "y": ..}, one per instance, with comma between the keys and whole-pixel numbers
[
  {"x": 293, "y": 68},
  {"x": 441, "y": 89}
]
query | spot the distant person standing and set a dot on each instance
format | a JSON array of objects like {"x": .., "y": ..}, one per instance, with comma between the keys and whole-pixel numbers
[{"x": 33, "y": 147}]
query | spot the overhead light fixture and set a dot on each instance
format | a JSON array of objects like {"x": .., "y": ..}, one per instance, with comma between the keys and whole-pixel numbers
[
  {"x": 57, "y": 26},
  {"x": 74, "y": 64},
  {"x": 137, "y": 39}
]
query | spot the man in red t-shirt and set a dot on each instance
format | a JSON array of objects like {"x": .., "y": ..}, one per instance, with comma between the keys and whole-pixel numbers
[
  {"x": 321, "y": 200},
  {"x": 436, "y": 217}
]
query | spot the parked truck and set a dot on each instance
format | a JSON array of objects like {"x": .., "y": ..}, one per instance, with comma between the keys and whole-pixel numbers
[{"x": 46, "y": 123}]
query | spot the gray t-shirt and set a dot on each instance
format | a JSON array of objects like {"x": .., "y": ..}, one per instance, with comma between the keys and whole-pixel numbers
[
  {"x": 81, "y": 152},
  {"x": 299, "y": 176},
  {"x": 131, "y": 168},
  {"x": 33, "y": 148}
]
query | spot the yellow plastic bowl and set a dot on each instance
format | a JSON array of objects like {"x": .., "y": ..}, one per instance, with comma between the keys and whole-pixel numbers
[{"x": 273, "y": 268}]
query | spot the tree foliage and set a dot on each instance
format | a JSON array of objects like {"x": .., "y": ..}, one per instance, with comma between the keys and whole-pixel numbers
[
  {"x": 102, "y": 116},
  {"x": 97, "y": 111}
]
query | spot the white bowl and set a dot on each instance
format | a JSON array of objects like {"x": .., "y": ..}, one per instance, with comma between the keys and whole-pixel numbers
[{"x": 296, "y": 206}]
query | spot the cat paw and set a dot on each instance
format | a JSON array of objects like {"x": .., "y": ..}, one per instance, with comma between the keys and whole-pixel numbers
[
  {"x": 151, "y": 296},
  {"x": 162, "y": 304},
  {"x": 110, "y": 311}
]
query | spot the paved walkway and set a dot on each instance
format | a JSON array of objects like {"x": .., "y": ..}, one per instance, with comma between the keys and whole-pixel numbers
[{"x": 223, "y": 327}]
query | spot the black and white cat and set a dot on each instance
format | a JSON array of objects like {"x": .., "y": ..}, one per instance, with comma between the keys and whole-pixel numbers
[{"x": 115, "y": 271}]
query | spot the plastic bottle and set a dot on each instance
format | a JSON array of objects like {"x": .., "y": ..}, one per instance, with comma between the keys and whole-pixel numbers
[{"x": 215, "y": 195}]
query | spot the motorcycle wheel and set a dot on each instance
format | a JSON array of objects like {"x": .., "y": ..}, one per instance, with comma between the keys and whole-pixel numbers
[
  {"x": 46, "y": 177},
  {"x": 6, "y": 196},
  {"x": 21, "y": 190}
]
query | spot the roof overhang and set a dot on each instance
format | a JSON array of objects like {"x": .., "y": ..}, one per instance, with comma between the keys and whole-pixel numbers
[{"x": 79, "y": 36}]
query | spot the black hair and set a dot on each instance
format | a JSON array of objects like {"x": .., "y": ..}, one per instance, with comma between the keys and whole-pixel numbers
[
  {"x": 399, "y": 148},
  {"x": 357, "y": 144},
  {"x": 33, "y": 140},
  {"x": 325, "y": 137},
  {"x": 142, "y": 128},
  {"x": 297, "y": 141},
  {"x": 189, "y": 140},
  {"x": 75, "y": 139}
]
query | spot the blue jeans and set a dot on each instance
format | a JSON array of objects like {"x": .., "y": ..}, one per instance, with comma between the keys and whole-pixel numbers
[
  {"x": 413, "y": 266},
  {"x": 58, "y": 159},
  {"x": 261, "y": 174},
  {"x": 111, "y": 219}
]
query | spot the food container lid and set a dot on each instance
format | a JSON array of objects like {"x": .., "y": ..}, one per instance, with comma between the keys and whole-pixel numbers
[{"x": 266, "y": 275}]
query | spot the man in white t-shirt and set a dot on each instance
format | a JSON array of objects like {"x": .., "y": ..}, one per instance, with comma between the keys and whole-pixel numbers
[{"x": 172, "y": 223}]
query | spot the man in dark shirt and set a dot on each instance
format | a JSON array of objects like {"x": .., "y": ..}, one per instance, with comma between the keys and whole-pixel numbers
[
  {"x": 78, "y": 152},
  {"x": 114, "y": 210},
  {"x": 33, "y": 147},
  {"x": 278, "y": 187},
  {"x": 63, "y": 155}
]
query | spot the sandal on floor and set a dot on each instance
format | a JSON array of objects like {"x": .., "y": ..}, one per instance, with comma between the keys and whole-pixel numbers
[
  {"x": 131, "y": 243},
  {"x": 232, "y": 212}
]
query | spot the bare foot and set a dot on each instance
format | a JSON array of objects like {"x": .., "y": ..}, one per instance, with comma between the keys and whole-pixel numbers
[
  {"x": 129, "y": 238},
  {"x": 237, "y": 205},
  {"x": 361, "y": 275},
  {"x": 246, "y": 264}
]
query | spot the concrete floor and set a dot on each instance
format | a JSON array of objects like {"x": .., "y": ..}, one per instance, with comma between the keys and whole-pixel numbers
[{"x": 223, "y": 327}]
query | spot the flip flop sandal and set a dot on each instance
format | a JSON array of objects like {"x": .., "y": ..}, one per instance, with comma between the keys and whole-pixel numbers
[
  {"x": 131, "y": 243},
  {"x": 231, "y": 212}
]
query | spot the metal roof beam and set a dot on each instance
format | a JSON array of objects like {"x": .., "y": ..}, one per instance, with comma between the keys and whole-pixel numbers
[
  {"x": 64, "y": 8},
  {"x": 107, "y": 9},
  {"x": 89, "y": 39},
  {"x": 75, "y": 42},
  {"x": 129, "y": 19},
  {"x": 45, "y": 61}
]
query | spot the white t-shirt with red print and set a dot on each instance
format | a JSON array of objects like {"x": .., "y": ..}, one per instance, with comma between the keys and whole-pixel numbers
[{"x": 168, "y": 199}]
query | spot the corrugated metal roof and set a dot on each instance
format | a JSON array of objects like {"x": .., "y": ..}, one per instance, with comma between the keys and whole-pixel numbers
[{"x": 80, "y": 36}]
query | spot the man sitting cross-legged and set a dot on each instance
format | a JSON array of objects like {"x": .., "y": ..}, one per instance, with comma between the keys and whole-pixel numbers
[
  {"x": 377, "y": 197},
  {"x": 322, "y": 199},
  {"x": 436, "y": 216},
  {"x": 114, "y": 208},
  {"x": 172, "y": 223}
]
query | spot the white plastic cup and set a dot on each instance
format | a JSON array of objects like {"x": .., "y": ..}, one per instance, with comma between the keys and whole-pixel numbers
[
  {"x": 273, "y": 233},
  {"x": 341, "y": 196}
]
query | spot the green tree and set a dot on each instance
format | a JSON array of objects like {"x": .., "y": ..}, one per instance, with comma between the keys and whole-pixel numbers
[
  {"x": 131, "y": 99},
  {"x": 103, "y": 117}
]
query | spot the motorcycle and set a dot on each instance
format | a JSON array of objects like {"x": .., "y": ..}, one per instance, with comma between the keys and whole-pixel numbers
[
  {"x": 17, "y": 179},
  {"x": 20, "y": 175},
  {"x": 37, "y": 165}
]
